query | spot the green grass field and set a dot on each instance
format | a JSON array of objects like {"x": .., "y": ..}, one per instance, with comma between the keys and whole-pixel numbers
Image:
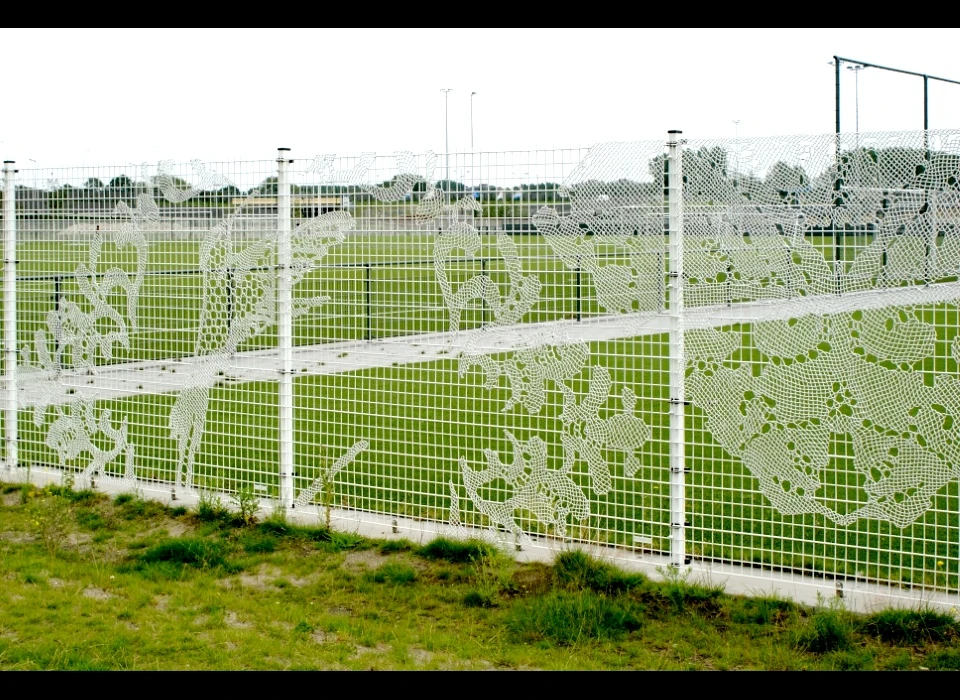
[
  {"x": 97, "y": 583},
  {"x": 379, "y": 286},
  {"x": 420, "y": 419}
]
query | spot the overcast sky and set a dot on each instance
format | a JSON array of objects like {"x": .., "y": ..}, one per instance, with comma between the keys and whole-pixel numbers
[{"x": 77, "y": 97}]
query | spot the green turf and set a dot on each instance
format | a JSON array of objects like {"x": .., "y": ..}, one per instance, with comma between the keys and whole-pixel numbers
[{"x": 379, "y": 286}]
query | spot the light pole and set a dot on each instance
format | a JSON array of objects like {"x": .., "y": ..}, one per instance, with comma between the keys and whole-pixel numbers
[
  {"x": 471, "y": 120},
  {"x": 856, "y": 96},
  {"x": 446, "y": 128}
]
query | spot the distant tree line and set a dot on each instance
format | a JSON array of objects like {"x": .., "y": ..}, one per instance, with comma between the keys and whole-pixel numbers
[{"x": 707, "y": 176}]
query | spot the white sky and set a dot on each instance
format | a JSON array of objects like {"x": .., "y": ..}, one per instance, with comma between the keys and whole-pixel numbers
[{"x": 89, "y": 97}]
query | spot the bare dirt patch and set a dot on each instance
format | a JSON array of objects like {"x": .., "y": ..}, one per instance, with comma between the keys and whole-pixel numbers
[
  {"x": 367, "y": 560},
  {"x": 97, "y": 593},
  {"x": 231, "y": 619},
  {"x": 177, "y": 529},
  {"x": 420, "y": 656},
  {"x": 263, "y": 577},
  {"x": 76, "y": 539},
  {"x": 321, "y": 637},
  {"x": 16, "y": 537},
  {"x": 378, "y": 650}
]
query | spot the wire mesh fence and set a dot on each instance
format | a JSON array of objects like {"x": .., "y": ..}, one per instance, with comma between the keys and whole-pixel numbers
[
  {"x": 828, "y": 391},
  {"x": 740, "y": 351}
]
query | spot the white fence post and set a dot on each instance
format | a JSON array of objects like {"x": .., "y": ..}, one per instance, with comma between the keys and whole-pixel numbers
[
  {"x": 285, "y": 326},
  {"x": 10, "y": 314},
  {"x": 677, "y": 360}
]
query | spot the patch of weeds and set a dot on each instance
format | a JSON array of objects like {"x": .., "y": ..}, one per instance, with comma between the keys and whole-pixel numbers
[
  {"x": 567, "y": 618},
  {"x": 577, "y": 571},
  {"x": 258, "y": 543},
  {"x": 281, "y": 583},
  {"x": 828, "y": 629},
  {"x": 456, "y": 552},
  {"x": 853, "y": 660},
  {"x": 148, "y": 541},
  {"x": 86, "y": 497},
  {"x": 943, "y": 660},
  {"x": 395, "y": 546},
  {"x": 762, "y": 611},
  {"x": 276, "y": 517},
  {"x": 686, "y": 596},
  {"x": 340, "y": 541},
  {"x": 331, "y": 541},
  {"x": 123, "y": 498},
  {"x": 135, "y": 508},
  {"x": 899, "y": 626},
  {"x": 51, "y": 519},
  {"x": 66, "y": 491},
  {"x": 303, "y": 627},
  {"x": 194, "y": 552},
  {"x": 900, "y": 661},
  {"x": 491, "y": 577},
  {"x": 10, "y": 488},
  {"x": 210, "y": 509},
  {"x": 178, "y": 511},
  {"x": 275, "y": 525},
  {"x": 394, "y": 573},
  {"x": 479, "y": 599},
  {"x": 91, "y": 521},
  {"x": 27, "y": 493},
  {"x": 247, "y": 503}
]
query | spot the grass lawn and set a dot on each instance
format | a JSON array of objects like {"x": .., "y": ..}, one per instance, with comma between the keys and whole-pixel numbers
[{"x": 90, "y": 583}]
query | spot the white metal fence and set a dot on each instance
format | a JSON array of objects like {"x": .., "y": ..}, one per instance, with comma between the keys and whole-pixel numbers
[{"x": 733, "y": 352}]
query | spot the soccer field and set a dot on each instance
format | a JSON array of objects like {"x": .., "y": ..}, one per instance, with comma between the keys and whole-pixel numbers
[{"x": 378, "y": 286}]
